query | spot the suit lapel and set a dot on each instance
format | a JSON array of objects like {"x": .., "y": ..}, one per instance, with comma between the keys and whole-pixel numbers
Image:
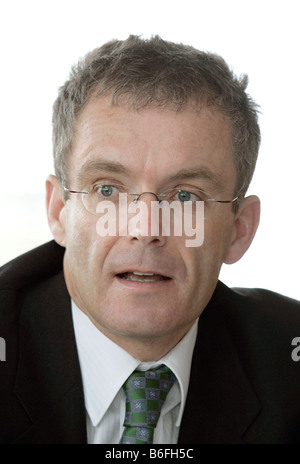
[
  {"x": 221, "y": 403},
  {"x": 48, "y": 381}
]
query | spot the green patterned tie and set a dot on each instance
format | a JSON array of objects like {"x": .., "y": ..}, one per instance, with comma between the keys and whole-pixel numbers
[{"x": 145, "y": 394}]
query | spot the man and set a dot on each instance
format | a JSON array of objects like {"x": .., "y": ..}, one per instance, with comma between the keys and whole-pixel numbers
[{"x": 147, "y": 122}]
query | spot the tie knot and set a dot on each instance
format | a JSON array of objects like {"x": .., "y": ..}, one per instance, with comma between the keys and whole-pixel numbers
[{"x": 146, "y": 392}]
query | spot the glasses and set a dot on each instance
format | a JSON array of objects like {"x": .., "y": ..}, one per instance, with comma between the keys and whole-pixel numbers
[{"x": 93, "y": 195}]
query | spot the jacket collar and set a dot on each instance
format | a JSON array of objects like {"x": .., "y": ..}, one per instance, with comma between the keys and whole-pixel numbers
[{"x": 221, "y": 403}]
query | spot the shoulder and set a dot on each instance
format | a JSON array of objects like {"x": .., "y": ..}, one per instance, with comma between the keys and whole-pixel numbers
[
  {"x": 32, "y": 267},
  {"x": 258, "y": 303},
  {"x": 259, "y": 320},
  {"x": 261, "y": 296},
  {"x": 21, "y": 276},
  {"x": 264, "y": 326},
  {"x": 270, "y": 310}
]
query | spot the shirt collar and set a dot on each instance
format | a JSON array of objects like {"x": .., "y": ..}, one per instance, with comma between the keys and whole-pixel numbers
[
  {"x": 104, "y": 375},
  {"x": 179, "y": 360}
]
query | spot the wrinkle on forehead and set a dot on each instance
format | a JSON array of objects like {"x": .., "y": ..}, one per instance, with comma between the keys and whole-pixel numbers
[{"x": 122, "y": 141}]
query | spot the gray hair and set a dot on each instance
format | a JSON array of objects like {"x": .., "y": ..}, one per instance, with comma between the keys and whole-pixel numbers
[{"x": 144, "y": 72}]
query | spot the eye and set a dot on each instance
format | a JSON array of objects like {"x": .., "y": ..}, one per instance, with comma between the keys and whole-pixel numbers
[
  {"x": 107, "y": 191},
  {"x": 184, "y": 195},
  {"x": 189, "y": 195}
]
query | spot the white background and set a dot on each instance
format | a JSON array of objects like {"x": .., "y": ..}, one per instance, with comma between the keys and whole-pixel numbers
[{"x": 41, "y": 40}]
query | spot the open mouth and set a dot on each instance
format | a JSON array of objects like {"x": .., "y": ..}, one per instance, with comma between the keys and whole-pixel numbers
[{"x": 136, "y": 276}]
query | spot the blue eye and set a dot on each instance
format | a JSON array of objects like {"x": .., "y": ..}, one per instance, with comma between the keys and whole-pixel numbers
[
  {"x": 107, "y": 190},
  {"x": 185, "y": 195}
]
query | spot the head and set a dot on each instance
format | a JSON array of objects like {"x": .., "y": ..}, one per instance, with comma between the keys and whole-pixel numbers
[
  {"x": 161, "y": 74},
  {"x": 151, "y": 111}
]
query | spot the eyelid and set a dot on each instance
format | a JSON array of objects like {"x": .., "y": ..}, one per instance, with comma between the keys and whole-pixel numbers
[
  {"x": 110, "y": 182},
  {"x": 188, "y": 188}
]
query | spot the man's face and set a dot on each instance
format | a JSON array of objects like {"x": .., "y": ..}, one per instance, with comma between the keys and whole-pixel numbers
[{"x": 148, "y": 151}]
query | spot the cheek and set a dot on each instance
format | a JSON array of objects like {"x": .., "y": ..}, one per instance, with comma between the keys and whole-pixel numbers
[
  {"x": 86, "y": 249},
  {"x": 206, "y": 260},
  {"x": 218, "y": 232}
]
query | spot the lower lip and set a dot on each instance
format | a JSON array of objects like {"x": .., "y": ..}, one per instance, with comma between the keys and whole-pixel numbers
[{"x": 159, "y": 284}]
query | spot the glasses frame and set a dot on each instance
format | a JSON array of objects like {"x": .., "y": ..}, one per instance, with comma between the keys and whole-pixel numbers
[
  {"x": 138, "y": 195},
  {"x": 157, "y": 195}
]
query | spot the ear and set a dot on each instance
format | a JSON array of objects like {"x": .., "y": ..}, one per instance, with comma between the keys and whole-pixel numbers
[
  {"x": 245, "y": 226},
  {"x": 55, "y": 208}
]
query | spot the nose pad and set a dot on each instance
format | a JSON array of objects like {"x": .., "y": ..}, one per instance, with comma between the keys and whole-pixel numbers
[{"x": 146, "y": 193}]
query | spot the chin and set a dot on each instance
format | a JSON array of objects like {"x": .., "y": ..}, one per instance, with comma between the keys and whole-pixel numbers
[{"x": 145, "y": 323}]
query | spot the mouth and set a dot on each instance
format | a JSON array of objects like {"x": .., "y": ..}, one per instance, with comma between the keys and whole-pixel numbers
[{"x": 137, "y": 276}]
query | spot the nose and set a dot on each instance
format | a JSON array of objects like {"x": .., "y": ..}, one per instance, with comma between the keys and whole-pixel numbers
[{"x": 144, "y": 223}]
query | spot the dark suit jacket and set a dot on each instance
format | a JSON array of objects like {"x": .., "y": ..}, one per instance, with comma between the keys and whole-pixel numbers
[{"x": 244, "y": 386}]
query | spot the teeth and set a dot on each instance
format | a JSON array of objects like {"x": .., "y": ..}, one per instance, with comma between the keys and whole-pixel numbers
[
  {"x": 137, "y": 276},
  {"x": 143, "y": 273}
]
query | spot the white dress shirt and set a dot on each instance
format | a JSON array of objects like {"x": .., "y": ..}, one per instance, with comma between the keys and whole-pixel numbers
[{"x": 105, "y": 367}]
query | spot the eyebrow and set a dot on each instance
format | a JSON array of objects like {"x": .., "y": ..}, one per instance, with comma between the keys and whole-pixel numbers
[
  {"x": 90, "y": 167},
  {"x": 193, "y": 173},
  {"x": 199, "y": 172}
]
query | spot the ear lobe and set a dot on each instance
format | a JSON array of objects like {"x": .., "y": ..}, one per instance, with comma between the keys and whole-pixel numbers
[
  {"x": 55, "y": 207},
  {"x": 245, "y": 227}
]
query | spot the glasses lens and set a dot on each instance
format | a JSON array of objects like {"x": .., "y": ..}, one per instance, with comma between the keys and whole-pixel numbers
[{"x": 104, "y": 196}]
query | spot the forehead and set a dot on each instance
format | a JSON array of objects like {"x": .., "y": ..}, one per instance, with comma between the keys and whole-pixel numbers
[{"x": 151, "y": 143}]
